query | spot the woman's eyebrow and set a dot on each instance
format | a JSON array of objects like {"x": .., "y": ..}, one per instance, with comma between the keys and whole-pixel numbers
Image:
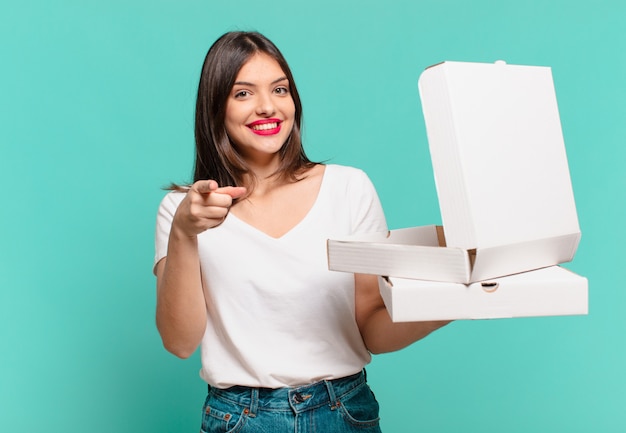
[{"x": 247, "y": 83}]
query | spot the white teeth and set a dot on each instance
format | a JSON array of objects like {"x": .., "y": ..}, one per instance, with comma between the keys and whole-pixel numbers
[{"x": 265, "y": 126}]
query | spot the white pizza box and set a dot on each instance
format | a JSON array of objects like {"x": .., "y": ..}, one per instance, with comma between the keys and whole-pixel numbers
[
  {"x": 421, "y": 253},
  {"x": 502, "y": 179},
  {"x": 551, "y": 291}
]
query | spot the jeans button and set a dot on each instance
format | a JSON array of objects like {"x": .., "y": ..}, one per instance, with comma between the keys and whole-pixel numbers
[{"x": 297, "y": 397}]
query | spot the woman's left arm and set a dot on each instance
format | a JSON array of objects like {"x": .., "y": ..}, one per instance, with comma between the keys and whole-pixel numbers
[{"x": 379, "y": 333}]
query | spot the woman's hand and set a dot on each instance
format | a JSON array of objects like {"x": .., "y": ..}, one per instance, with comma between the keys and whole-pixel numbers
[
  {"x": 181, "y": 307},
  {"x": 205, "y": 206},
  {"x": 379, "y": 333}
]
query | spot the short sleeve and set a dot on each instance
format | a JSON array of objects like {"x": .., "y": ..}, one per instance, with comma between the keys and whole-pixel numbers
[
  {"x": 164, "y": 219},
  {"x": 367, "y": 212}
]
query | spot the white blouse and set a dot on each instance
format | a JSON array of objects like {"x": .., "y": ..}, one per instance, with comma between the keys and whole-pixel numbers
[{"x": 276, "y": 315}]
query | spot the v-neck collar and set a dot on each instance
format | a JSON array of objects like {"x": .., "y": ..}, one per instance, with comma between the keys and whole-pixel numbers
[{"x": 234, "y": 218}]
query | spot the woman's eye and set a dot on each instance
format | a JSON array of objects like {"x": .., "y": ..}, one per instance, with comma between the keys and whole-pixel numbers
[
  {"x": 282, "y": 90},
  {"x": 241, "y": 94}
]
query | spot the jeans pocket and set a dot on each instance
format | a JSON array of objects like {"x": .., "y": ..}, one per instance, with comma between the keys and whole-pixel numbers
[
  {"x": 359, "y": 407},
  {"x": 222, "y": 417}
]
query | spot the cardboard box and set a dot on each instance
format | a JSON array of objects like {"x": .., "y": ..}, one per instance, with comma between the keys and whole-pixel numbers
[
  {"x": 544, "y": 292},
  {"x": 502, "y": 180},
  {"x": 498, "y": 155},
  {"x": 421, "y": 253}
]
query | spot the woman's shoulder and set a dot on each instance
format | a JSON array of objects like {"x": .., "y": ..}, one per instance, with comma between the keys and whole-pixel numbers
[
  {"x": 348, "y": 181},
  {"x": 345, "y": 171},
  {"x": 172, "y": 199}
]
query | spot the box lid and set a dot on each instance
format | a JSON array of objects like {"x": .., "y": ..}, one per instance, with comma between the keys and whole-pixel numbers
[{"x": 498, "y": 154}]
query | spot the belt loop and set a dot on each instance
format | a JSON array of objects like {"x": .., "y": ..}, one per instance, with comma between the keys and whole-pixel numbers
[
  {"x": 331, "y": 394},
  {"x": 254, "y": 402}
]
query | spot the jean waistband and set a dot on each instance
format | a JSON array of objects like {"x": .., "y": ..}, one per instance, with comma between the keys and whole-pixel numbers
[{"x": 298, "y": 399}]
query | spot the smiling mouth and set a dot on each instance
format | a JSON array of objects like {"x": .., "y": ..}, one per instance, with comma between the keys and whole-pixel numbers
[{"x": 264, "y": 126}]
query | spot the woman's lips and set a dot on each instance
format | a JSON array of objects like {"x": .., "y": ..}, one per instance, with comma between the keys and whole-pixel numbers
[{"x": 265, "y": 126}]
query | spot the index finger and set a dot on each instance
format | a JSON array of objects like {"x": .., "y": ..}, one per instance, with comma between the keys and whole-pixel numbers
[
  {"x": 233, "y": 191},
  {"x": 205, "y": 186}
]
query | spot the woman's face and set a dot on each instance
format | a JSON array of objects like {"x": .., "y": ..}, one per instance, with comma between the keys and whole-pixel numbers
[{"x": 260, "y": 110}]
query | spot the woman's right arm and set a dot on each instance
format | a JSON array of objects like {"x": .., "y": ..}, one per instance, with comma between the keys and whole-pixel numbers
[{"x": 181, "y": 306}]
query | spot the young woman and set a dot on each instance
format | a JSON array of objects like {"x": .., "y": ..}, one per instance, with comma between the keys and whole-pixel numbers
[{"x": 241, "y": 260}]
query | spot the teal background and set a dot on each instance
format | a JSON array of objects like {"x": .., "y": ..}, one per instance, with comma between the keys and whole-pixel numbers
[{"x": 96, "y": 115}]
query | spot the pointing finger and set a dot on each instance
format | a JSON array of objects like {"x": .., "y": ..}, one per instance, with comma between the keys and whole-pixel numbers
[
  {"x": 205, "y": 186},
  {"x": 233, "y": 191}
]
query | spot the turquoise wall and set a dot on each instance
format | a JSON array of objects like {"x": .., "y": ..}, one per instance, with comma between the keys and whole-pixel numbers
[{"x": 96, "y": 115}]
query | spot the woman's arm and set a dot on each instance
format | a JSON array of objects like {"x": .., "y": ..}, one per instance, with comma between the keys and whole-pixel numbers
[
  {"x": 181, "y": 306},
  {"x": 379, "y": 333}
]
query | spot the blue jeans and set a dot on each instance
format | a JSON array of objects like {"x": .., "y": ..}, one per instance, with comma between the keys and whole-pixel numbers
[{"x": 344, "y": 405}]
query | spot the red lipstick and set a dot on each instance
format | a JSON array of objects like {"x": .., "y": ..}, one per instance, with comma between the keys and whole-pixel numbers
[{"x": 265, "y": 126}]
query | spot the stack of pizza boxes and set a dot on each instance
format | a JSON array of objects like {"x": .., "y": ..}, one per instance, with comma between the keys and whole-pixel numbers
[{"x": 506, "y": 201}]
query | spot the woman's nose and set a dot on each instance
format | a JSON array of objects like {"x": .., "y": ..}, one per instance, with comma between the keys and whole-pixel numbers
[{"x": 265, "y": 106}]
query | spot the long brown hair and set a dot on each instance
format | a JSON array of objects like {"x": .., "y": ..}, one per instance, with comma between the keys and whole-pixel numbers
[{"x": 215, "y": 157}]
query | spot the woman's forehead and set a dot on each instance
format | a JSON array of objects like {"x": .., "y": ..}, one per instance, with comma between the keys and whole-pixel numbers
[{"x": 260, "y": 68}]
